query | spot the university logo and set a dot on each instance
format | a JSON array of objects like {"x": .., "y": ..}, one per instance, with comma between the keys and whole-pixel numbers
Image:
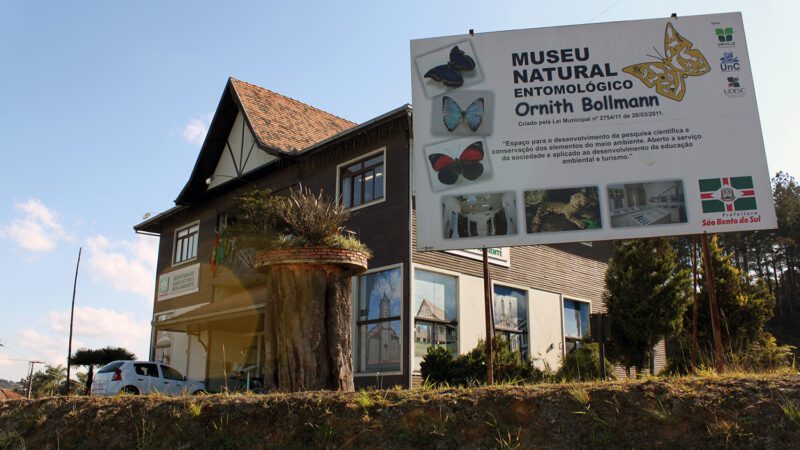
[
  {"x": 729, "y": 63},
  {"x": 727, "y": 194},
  {"x": 733, "y": 87},
  {"x": 725, "y": 37}
]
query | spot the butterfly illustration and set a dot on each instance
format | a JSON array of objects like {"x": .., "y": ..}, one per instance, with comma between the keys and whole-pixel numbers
[
  {"x": 680, "y": 60},
  {"x": 452, "y": 114},
  {"x": 450, "y": 74},
  {"x": 467, "y": 165}
]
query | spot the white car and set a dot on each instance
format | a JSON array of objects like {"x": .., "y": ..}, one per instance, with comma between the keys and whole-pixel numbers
[{"x": 143, "y": 377}]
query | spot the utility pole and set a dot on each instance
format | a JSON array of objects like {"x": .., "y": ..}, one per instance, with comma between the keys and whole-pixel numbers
[
  {"x": 71, "y": 318},
  {"x": 30, "y": 376},
  {"x": 487, "y": 294}
]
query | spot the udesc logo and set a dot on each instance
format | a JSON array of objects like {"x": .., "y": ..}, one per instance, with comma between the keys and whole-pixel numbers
[
  {"x": 729, "y": 63},
  {"x": 733, "y": 87},
  {"x": 724, "y": 36}
]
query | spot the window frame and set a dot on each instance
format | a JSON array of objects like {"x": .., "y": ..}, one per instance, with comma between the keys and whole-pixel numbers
[
  {"x": 412, "y": 297},
  {"x": 356, "y": 323},
  {"x": 362, "y": 159},
  {"x": 564, "y": 337},
  {"x": 187, "y": 226},
  {"x": 527, "y": 331}
]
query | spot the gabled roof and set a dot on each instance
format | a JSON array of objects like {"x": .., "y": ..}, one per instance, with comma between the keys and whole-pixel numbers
[
  {"x": 282, "y": 126},
  {"x": 282, "y": 123}
]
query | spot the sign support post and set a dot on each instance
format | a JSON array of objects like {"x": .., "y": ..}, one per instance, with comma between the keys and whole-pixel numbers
[
  {"x": 694, "y": 302},
  {"x": 487, "y": 293},
  {"x": 712, "y": 303}
]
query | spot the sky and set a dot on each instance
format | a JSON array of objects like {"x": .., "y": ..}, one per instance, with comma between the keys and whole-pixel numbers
[{"x": 104, "y": 107}]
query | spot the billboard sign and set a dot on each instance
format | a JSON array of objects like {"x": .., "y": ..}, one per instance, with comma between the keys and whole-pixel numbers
[{"x": 589, "y": 132}]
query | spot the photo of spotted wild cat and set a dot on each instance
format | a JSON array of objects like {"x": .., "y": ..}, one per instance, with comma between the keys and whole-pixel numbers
[{"x": 566, "y": 209}]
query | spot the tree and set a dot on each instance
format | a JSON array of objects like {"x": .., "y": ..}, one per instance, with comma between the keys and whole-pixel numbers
[
  {"x": 45, "y": 383},
  {"x": 744, "y": 305},
  {"x": 91, "y": 358},
  {"x": 646, "y": 297}
]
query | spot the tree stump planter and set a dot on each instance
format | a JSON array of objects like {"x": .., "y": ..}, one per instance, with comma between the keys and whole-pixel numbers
[{"x": 307, "y": 317}]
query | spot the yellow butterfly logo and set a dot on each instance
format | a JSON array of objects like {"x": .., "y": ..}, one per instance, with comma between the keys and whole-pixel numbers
[{"x": 680, "y": 60}]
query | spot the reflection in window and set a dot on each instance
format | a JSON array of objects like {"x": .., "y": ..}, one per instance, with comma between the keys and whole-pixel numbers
[
  {"x": 164, "y": 341},
  {"x": 380, "y": 297},
  {"x": 435, "y": 319},
  {"x": 511, "y": 317},
  {"x": 576, "y": 323}
]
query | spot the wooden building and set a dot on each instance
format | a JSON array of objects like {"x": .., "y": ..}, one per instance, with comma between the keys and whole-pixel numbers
[{"x": 208, "y": 304}]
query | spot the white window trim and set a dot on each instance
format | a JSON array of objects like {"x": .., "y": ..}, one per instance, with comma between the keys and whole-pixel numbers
[
  {"x": 563, "y": 322},
  {"x": 359, "y": 158},
  {"x": 175, "y": 242},
  {"x": 413, "y": 320},
  {"x": 356, "y": 341}
]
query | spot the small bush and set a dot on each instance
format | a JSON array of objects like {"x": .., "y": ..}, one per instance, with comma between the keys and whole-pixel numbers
[
  {"x": 583, "y": 364},
  {"x": 439, "y": 366}
]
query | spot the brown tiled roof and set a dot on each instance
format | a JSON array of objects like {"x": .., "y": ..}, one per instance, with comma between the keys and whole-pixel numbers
[
  {"x": 8, "y": 394},
  {"x": 283, "y": 123}
]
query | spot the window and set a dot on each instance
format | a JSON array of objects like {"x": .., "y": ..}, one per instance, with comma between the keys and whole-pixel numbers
[
  {"x": 435, "y": 315},
  {"x": 108, "y": 368},
  {"x": 170, "y": 373},
  {"x": 146, "y": 369},
  {"x": 511, "y": 317},
  {"x": 576, "y": 323},
  {"x": 380, "y": 337},
  {"x": 186, "y": 243},
  {"x": 363, "y": 181},
  {"x": 163, "y": 341}
]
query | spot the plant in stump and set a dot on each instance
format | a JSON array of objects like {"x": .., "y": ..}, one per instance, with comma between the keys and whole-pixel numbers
[{"x": 308, "y": 259}]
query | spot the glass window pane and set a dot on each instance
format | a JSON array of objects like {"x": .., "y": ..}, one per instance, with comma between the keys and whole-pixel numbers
[
  {"x": 510, "y": 309},
  {"x": 576, "y": 318},
  {"x": 346, "y": 192},
  {"x": 178, "y": 251},
  {"x": 434, "y": 296},
  {"x": 355, "y": 168},
  {"x": 379, "y": 180},
  {"x": 380, "y": 294},
  {"x": 369, "y": 183},
  {"x": 194, "y": 246},
  {"x": 373, "y": 161},
  {"x": 381, "y": 346},
  {"x": 357, "y": 181}
]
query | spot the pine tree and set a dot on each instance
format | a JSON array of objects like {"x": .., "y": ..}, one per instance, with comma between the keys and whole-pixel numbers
[
  {"x": 744, "y": 306},
  {"x": 646, "y": 298}
]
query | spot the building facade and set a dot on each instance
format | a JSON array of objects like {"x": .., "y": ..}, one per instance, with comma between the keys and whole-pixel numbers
[{"x": 209, "y": 303}]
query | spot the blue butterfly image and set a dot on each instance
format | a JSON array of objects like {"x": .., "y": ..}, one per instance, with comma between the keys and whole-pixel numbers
[
  {"x": 452, "y": 114},
  {"x": 450, "y": 74}
]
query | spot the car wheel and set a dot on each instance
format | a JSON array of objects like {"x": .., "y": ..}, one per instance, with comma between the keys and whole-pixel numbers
[{"x": 130, "y": 390}]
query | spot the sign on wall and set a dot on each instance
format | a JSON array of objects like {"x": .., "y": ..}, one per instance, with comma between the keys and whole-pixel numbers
[
  {"x": 589, "y": 132},
  {"x": 179, "y": 282}
]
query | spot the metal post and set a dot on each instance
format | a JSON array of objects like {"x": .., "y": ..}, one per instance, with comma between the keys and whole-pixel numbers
[
  {"x": 487, "y": 293},
  {"x": 694, "y": 303},
  {"x": 712, "y": 303},
  {"x": 30, "y": 377},
  {"x": 71, "y": 317},
  {"x": 602, "y": 333}
]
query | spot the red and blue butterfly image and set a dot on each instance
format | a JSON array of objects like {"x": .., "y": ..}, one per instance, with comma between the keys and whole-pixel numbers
[
  {"x": 450, "y": 74},
  {"x": 452, "y": 114},
  {"x": 468, "y": 164}
]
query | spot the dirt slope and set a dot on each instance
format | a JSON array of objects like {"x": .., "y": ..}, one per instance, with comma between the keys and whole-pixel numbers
[{"x": 750, "y": 411}]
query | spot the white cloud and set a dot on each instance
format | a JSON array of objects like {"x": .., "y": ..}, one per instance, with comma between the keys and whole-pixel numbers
[
  {"x": 128, "y": 266},
  {"x": 195, "y": 131},
  {"x": 93, "y": 328},
  {"x": 36, "y": 227}
]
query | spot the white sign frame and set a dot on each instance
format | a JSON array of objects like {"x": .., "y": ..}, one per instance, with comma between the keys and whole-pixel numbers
[{"x": 669, "y": 145}]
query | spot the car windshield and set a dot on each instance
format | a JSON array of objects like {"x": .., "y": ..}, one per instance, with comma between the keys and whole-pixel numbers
[{"x": 111, "y": 367}]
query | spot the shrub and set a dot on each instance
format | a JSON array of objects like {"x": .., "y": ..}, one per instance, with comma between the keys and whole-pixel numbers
[
  {"x": 583, "y": 364},
  {"x": 440, "y": 367}
]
